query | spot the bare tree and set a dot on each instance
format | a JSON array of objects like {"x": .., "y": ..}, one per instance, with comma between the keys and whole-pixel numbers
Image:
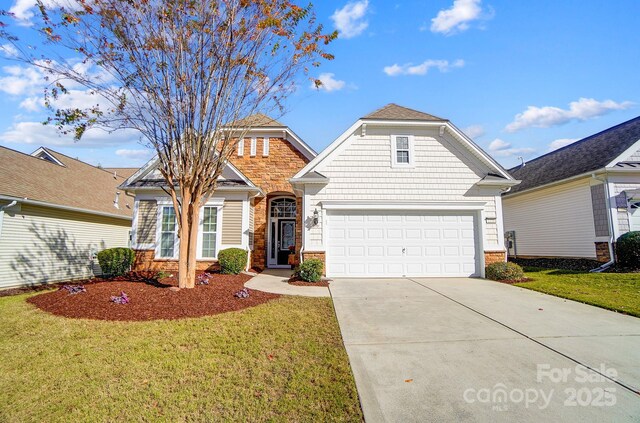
[{"x": 183, "y": 73}]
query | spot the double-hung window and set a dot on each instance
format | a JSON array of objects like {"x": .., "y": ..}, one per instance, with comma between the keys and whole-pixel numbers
[
  {"x": 402, "y": 150},
  {"x": 209, "y": 231},
  {"x": 168, "y": 226}
]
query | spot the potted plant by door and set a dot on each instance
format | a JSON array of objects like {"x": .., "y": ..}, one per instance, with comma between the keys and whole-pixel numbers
[{"x": 291, "y": 260}]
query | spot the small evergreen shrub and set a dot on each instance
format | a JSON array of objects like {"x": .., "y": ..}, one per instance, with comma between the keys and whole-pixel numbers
[
  {"x": 628, "y": 249},
  {"x": 310, "y": 270},
  {"x": 232, "y": 260},
  {"x": 504, "y": 272},
  {"x": 116, "y": 261}
]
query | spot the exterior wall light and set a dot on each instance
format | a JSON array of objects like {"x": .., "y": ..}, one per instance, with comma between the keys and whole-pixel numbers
[{"x": 316, "y": 217}]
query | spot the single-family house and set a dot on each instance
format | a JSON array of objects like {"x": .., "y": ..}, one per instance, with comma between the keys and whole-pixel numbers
[
  {"x": 576, "y": 201},
  {"x": 399, "y": 193},
  {"x": 56, "y": 214}
]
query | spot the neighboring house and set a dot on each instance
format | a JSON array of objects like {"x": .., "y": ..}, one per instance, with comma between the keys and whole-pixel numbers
[
  {"x": 400, "y": 193},
  {"x": 576, "y": 201},
  {"x": 56, "y": 213}
]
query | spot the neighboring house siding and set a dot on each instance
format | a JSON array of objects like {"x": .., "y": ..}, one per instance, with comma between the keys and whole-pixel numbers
[
  {"x": 39, "y": 244},
  {"x": 443, "y": 171},
  {"x": 147, "y": 218},
  {"x": 232, "y": 223},
  {"x": 619, "y": 193},
  {"x": 599, "y": 208},
  {"x": 556, "y": 221}
]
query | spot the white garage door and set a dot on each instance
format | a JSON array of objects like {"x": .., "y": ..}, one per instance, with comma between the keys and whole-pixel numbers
[{"x": 402, "y": 243}]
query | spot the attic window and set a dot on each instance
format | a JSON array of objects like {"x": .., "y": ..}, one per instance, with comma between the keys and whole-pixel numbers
[
  {"x": 402, "y": 150},
  {"x": 43, "y": 154}
]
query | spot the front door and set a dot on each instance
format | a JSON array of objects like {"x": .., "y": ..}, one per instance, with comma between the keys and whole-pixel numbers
[{"x": 285, "y": 238}]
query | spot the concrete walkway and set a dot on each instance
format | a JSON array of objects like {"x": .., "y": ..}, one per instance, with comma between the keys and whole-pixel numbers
[
  {"x": 275, "y": 281},
  {"x": 451, "y": 350}
]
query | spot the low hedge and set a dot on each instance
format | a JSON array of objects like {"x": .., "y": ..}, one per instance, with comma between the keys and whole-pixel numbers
[
  {"x": 628, "y": 249},
  {"x": 504, "y": 272},
  {"x": 115, "y": 261},
  {"x": 232, "y": 260},
  {"x": 310, "y": 270}
]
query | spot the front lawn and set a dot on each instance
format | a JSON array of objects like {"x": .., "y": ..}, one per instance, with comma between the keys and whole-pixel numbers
[
  {"x": 283, "y": 360},
  {"x": 613, "y": 291}
]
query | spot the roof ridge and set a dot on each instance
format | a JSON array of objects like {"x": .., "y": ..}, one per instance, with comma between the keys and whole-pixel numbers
[
  {"x": 575, "y": 143},
  {"x": 82, "y": 162},
  {"x": 28, "y": 154},
  {"x": 391, "y": 106}
]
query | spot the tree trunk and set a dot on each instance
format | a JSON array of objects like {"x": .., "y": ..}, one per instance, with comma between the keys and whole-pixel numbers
[{"x": 188, "y": 233}]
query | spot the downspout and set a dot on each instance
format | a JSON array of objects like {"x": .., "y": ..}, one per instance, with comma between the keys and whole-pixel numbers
[
  {"x": 2, "y": 209},
  {"x": 612, "y": 258}
]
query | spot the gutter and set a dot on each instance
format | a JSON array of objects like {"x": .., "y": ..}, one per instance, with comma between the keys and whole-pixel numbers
[
  {"x": 612, "y": 258},
  {"x": 61, "y": 207}
]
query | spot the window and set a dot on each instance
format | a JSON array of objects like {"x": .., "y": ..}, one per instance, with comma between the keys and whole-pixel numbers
[
  {"x": 167, "y": 232},
  {"x": 209, "y": 231},
  {"x": 253, "y": 146},
  {"x": 283, "y": 207},
  {"x": 241, "y": 147},
  {"x": 265, "y": 146},
  {"x": 402, "y": 150}
]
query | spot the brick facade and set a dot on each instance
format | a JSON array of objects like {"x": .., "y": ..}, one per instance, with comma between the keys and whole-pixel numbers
[
  {"x": 145, "y": 262},
  {"x": 320, "y": 255},
  {"x": 270, "y": 173},
  {"x": 603, "y": 254},
  {"x": 494, "y": 257}
]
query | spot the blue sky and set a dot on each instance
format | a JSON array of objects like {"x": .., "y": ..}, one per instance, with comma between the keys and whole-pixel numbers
[{"x": 519, "y": 77}]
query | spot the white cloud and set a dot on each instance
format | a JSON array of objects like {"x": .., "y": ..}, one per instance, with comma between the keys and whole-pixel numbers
[
  {"x": 457, "y": 17},
  {"x": 500, "y": 148},
  {"x": 422, "y": 68},
  {"x": 562, "y": 142},
  {"x": 329, "y": 83},
  {"x": 583, "y": 109},
  {"x": 9, "y": 50},
  {"x": 350, "y": 20},
  {"x": 134, "y": 154},
  {"x": 19, "y": 80},
  {"x": 474, "y": 131},
  {"x": 23, "y": 9},
  {"x": 37, "y": 133}
]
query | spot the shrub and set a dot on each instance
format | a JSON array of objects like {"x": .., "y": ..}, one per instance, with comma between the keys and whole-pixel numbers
[
  {"x": 504, "y": 272},
  {"x": 232, "y": 260},
  {"x": 115, "y": 261},
  {"x": 310, "y": 270},
  {"x": 628, "y": 249}
]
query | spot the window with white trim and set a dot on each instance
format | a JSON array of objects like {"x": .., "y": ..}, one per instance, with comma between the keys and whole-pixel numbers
[
  {"x": 168, "y": 233},
  {"x": 402, "y": 150},
  {"x": 209, "y": 232},
  {"x": 265, "y": 146},
  {"x": 253, "y": 146},
  {"x": 241, "y": 147}
]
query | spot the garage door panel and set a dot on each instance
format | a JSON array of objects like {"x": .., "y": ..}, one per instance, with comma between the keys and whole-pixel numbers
[{"x": 392, "y": 244}]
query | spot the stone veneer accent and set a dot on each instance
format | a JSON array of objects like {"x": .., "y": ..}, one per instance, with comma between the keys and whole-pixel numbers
[
  {"x": 320, "y": 255},
  {"x": 491, "y": 257},
  {"x": 603, "y": 254},
  {"x": 271, "y": 173},
  {"x": 145, "y": 262}
]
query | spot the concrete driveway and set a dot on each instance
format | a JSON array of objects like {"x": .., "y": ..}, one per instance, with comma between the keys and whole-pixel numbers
[{"x": 473, "y": 350}]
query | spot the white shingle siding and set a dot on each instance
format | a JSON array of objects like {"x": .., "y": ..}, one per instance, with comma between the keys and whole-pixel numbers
[
  {"x": 41, "y": 244},
  {"x": 361, "y": 170},
  {"x": 619, "y": 190},
  {"x": 553, "y": 222}
]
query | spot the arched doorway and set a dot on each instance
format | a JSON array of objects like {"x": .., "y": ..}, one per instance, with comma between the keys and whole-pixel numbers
[{"x": 281, "y": 231}]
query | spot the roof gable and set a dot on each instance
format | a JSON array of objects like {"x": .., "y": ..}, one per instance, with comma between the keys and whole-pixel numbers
[
  {"x": 595, "y": 152},
  {"x": 394, "y": 112},
  {"x": 72, "y": 183}
]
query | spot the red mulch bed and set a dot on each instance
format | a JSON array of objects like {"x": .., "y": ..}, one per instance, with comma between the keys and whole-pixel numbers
[
  {"x": 150, "y": 299},
  {"x": 299, "y": 282}
]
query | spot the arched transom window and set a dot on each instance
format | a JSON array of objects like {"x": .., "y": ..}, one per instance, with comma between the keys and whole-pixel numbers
[{"x": 283, "y": 207}]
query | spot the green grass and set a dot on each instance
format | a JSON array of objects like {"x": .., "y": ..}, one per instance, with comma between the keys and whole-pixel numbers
[
  {"x": 613, "y": 291},
  {"x": 280, "y": 361}
]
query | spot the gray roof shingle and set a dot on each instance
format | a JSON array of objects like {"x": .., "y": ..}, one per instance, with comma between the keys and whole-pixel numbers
[
  {"x": 394, "y": 112},
  {"x": 589, "y": 154}
]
